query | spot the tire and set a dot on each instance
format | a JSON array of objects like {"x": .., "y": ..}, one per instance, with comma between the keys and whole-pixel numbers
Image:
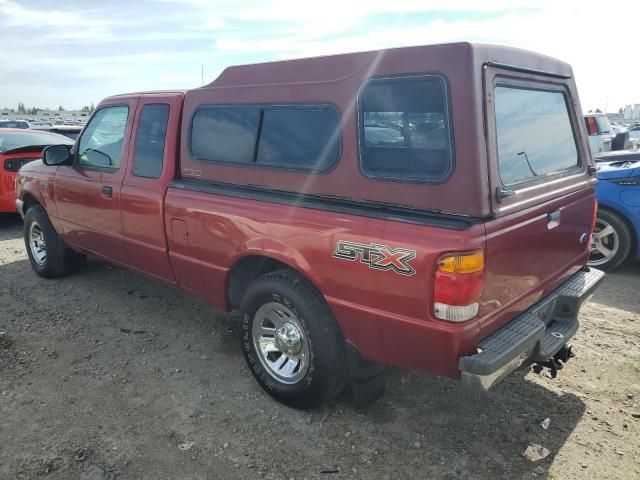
[
  {"x": 611, "y": 250},
  {"x": 49, "y": 257},
  {"x": 290, "y": 310}
]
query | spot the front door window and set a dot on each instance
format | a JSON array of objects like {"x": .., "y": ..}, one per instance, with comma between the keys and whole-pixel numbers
[{"x": 101, "y": 144}]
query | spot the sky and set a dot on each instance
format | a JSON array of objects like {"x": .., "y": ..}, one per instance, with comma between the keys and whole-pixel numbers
[{"x": 76, "y": 52}]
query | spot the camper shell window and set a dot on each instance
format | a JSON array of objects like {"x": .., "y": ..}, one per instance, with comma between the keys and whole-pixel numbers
[
  {"x": 405, "y": 131},
  {"x": 299, "y": 137}
]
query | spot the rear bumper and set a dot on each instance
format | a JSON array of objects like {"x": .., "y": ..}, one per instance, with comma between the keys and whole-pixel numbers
[{"x": 534, "y": 336}]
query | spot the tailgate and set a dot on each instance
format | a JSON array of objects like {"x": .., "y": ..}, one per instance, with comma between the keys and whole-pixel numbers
[{"x": 543, "y": 190}]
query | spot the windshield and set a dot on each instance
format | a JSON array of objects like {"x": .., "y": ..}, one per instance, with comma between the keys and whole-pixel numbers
[{"x": 10, "y": 140}]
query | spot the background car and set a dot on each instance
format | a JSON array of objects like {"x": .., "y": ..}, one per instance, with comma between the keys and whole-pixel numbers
[
  {"x": 600, "y": 132},
  {"x": 22, "y": 124},
  {"x": 617, "y": 230},
  {"x": 617, "y": 156},
  {"x": 71, "y": 131},
  {"x": 17, "y": 147}
]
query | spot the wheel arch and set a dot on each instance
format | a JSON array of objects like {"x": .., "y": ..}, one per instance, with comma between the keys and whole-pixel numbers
[
  {"x": 252, "y": 265},
  {"x": 29, "y": 200}
]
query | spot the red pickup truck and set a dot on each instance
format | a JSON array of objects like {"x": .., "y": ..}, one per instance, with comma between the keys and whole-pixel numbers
[{"x": 426, "y": 208}]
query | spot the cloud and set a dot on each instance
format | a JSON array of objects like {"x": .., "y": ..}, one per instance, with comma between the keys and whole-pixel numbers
[{"x": 100, "y": 48}]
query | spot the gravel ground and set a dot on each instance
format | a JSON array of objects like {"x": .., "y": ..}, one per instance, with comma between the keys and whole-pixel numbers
[{"x": 106, "y": 374}]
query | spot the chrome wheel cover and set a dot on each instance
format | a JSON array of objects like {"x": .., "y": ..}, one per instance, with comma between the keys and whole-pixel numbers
[
  {"x": 281, "y": 343},
  {"x": 37, "y": 244},
  {"x": 604, "y": 245}
]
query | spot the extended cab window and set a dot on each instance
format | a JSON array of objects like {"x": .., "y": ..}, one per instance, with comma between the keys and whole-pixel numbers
[
  {"x": 102, "y": 142},
  {"x": 225, "y": 134},
  {"x": 152, "y": 131},
  {"x": 534, "y": 134},
  {"x": 404, "y": 129}
]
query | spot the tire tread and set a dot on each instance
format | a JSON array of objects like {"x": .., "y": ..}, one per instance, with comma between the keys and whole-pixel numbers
[{"x": 336, "y": 378}]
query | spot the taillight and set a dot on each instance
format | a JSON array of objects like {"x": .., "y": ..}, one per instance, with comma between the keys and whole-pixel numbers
[
  {"x": 592, "y": 127},
  {"x": 458, "y": 286},
  {"x": 14, "y": 164}
]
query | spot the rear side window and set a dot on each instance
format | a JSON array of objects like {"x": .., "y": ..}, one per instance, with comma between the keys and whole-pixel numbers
[
  {"x": 404, "y": 129},
  {"x": 535, "y": 136},
  {"x": 225, "y": 134},
  {"x": 296, "y": 137},
  {"x": 152, "y": 131}
]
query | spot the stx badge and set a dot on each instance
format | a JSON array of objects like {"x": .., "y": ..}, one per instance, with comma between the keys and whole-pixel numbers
[{"x": 376, "y": 256}]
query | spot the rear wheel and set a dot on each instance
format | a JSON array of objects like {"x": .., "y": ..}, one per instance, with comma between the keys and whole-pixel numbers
[
  {"x": 291, "y": 342},
  {"x": 611, "y": 242},
  {"x": 47, "y": 253}
]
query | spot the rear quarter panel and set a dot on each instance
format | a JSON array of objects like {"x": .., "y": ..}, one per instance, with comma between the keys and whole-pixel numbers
[{"x": 386, "y": 315}]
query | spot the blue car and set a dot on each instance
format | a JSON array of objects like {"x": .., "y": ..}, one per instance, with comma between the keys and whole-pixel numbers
[{"x": 615, "y": 237}]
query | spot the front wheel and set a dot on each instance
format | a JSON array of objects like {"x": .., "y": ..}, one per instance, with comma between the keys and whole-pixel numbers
[
  {"x": 47, "y": 253},
  {"x": 611, "y": 242},
  {"x": 291, "y": 342}
]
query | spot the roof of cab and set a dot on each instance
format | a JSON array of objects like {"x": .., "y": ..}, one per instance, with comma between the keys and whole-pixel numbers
[{"x": 149, "y": 92}]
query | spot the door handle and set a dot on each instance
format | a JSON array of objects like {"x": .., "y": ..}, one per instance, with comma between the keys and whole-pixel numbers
[
  {"x": 553, "y": 219},
  {"x": 553, "y": 216},
  {"x": 107, "y": 191}
]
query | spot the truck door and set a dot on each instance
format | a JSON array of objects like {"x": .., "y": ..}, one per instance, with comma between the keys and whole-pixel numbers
[
  {"x": 87, "y": 193},
  {"x": 152, "y": 167}
]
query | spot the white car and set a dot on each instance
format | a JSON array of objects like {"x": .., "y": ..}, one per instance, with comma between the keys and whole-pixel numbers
[{"x": 601, "y": 133}]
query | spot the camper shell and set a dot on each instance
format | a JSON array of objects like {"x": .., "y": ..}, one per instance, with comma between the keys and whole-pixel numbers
[{"x": 467, "y": 71}]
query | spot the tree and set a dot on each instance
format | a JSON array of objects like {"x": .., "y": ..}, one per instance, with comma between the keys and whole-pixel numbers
[
  {"x": 61, "y": 108},
  {"x": 92, "y": 107},
  {"x": 21, "y": 108},
  {"x": 621, "y": 110},
  {"x": 598, "y": 110}
]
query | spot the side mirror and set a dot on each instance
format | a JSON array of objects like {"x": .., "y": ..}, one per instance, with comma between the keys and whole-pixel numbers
[{"x": 56, "y": 155}]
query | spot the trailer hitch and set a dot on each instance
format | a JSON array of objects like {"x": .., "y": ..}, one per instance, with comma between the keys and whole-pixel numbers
[{"x": 556, "y": 363}]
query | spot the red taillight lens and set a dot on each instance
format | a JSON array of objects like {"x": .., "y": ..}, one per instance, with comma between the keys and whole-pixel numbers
[
  {"x": 458, "y": 286},
  {"x": 592, "y": 127},
  {"x": 458, "y": 289}
]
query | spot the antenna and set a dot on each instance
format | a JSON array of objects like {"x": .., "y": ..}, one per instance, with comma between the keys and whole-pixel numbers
[{"x": 202, "y": 74}]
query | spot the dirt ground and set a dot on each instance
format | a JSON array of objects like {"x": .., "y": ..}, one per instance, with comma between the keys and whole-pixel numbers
[{"x": 108, "y": 375}]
